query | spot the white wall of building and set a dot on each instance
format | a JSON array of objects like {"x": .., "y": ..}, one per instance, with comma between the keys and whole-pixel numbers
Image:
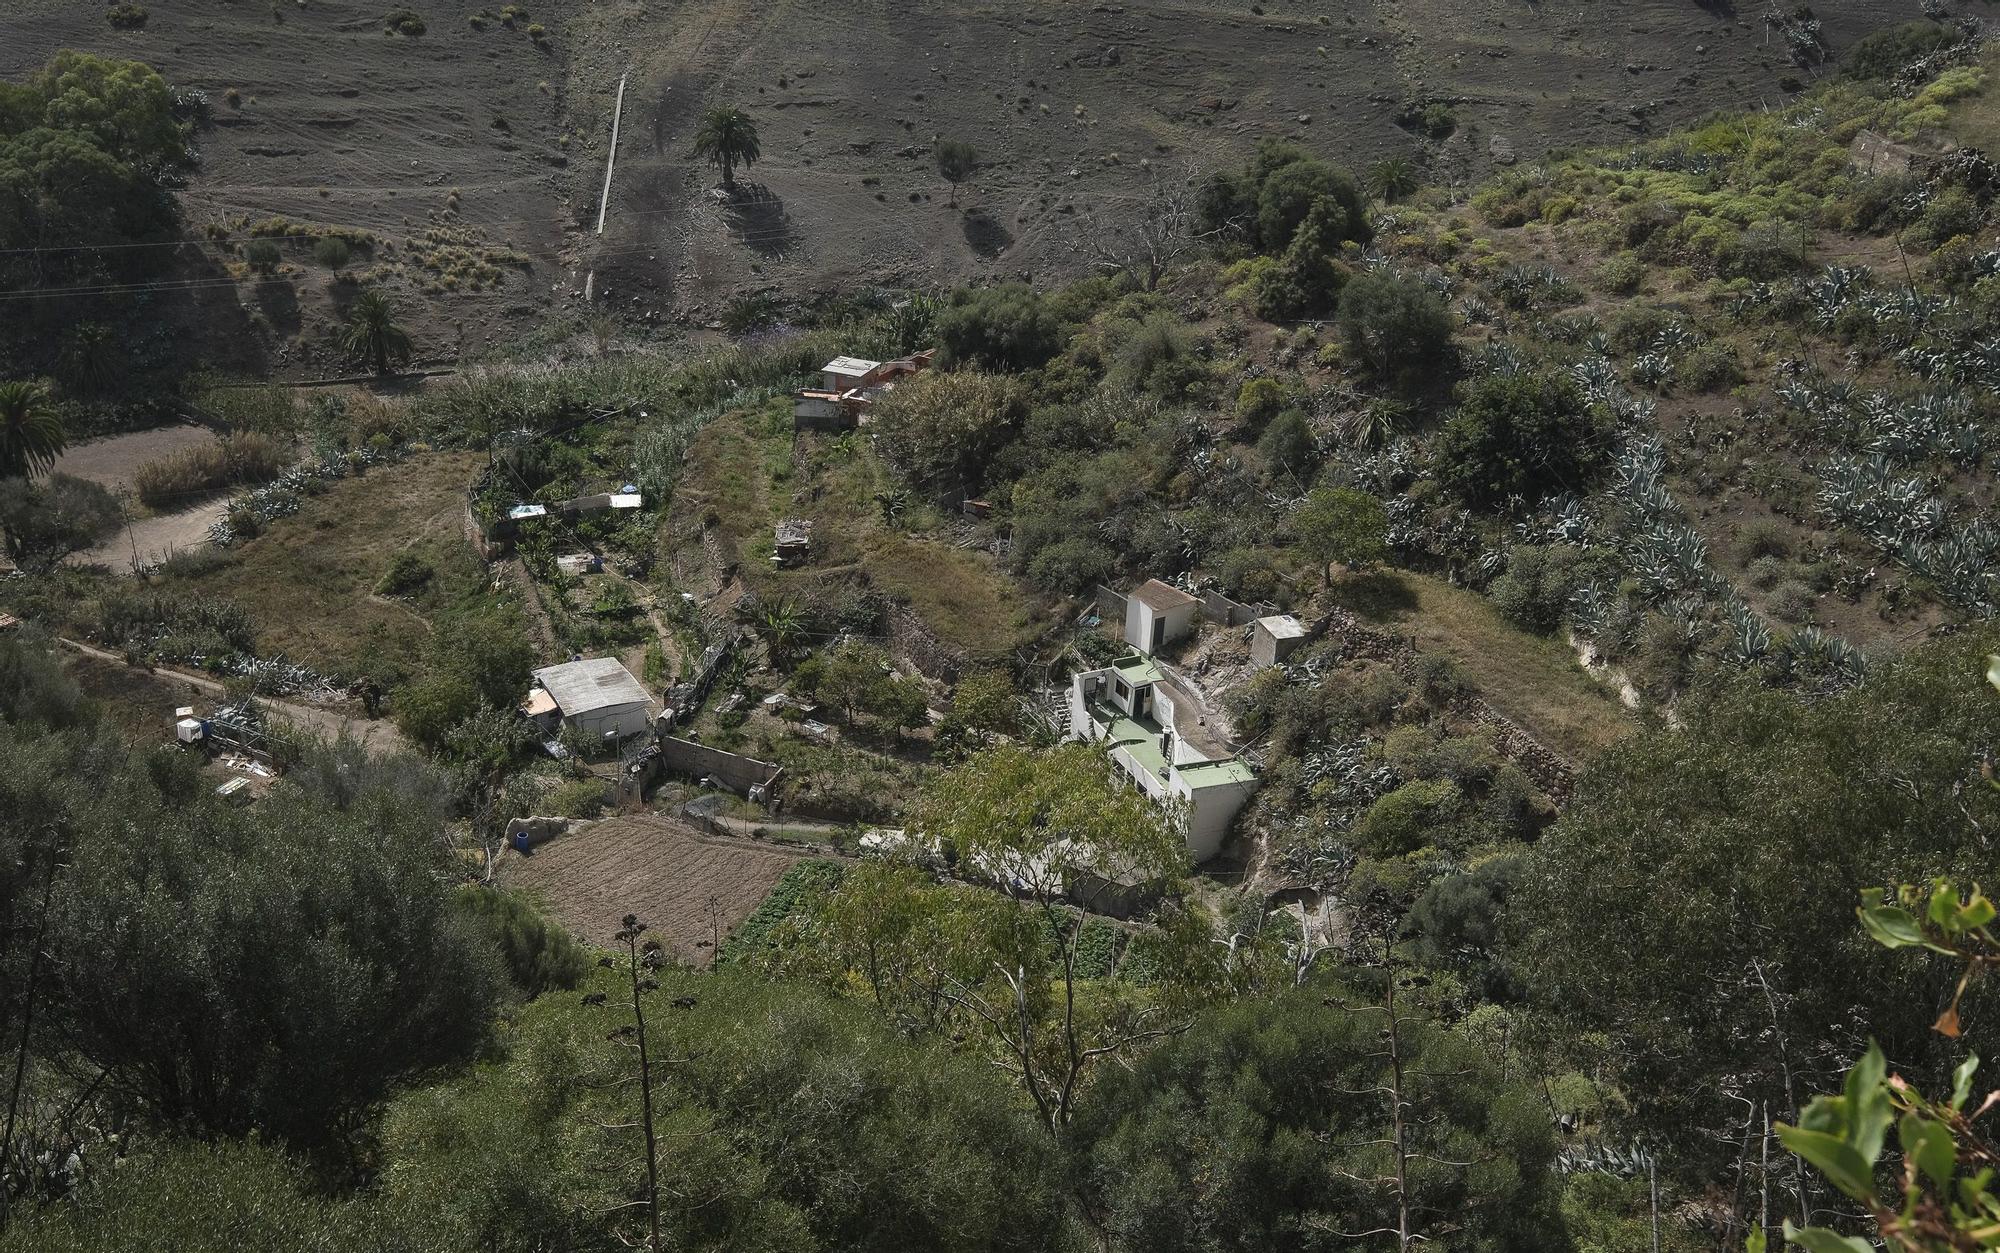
[{"x": 625, "y": 720}]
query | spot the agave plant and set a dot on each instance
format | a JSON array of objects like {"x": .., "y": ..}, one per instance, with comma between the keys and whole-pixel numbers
[
  {"x": 1476, "y": 312},
  {"x": 1650, "y": 369},
  {"x": 1750, "y": 638}
]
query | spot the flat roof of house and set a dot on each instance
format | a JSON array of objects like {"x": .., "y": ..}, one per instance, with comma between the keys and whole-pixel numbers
[
  {"x": 1140, "y": 739},
  {"x": 856, "y": 366},
  {"x": 581, "y": 687},
  {"x": 1138, "y": 669},
  {"x": 1282, "y": 626},
  {"x": 1215, "y": 773},
  {"x": 1161, "y": 596}
]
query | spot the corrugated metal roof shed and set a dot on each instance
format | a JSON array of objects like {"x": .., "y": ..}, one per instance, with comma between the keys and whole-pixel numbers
[{"x": 581, "y": 687}]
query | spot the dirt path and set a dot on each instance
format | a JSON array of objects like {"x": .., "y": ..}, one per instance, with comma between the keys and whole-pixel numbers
[
  {"x": 155, "y": 539},
  {"x": 113, "y": 460},
  {"x": 377, "y": 736}
]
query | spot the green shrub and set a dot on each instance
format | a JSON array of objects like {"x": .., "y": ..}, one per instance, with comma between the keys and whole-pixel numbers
[
  {"x": 1884, "y": 53},
  {"x": 403, "y": 22},
  {"x": 1267, "y": 203},
  {"x": 1009, "y": 327},
  {"x": 1621, "y": 275},
  {"x": 1521, "y": 435},
  {"x": 262, "y": 254},
  {"x": 1766, "y": 250},
  {"x": 1766, "y": 537},
  {"x": 1259, "y": 400},
  {"x": 1534, "y": 593},
  {"x": 1707, "y": 368},
  {"x": 126, "y": 16},
  {"x": 1287, "y": 445},
  {"x": 1792, "y": 601},
  {"x": 408, "y": 573},
  {"x": 1395, "y": 326},
  {"x": 331, "y": 251},
  {"x": 1399, "y": 822},
  {"x": 47, "y": 519},
  {"x": 578, "y": 798},
  {"x": 538, "y": 954}
]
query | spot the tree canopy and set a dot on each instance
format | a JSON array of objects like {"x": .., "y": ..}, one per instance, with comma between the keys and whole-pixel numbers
[{"x": 727, "y": 139}]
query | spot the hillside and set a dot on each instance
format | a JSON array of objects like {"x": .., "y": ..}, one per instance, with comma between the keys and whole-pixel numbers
[
  {"x": 465, "y": 162},
  {"x": 1373, "y": 628}
]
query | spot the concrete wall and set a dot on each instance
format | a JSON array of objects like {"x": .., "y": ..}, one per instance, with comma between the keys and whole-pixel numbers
[
  {"x": 1216, "y": 607},
  {"x": 732, "y": 770},
  {"x": 1209, "y": 813}
]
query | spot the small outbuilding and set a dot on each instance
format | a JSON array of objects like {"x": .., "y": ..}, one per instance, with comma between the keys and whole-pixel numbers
[
  {"x": 791, "y": 542},
  {"x": 843, "y": 373},
  {"x": 1156, "y": 614},
  {"x": 596, "y": 696},
  {"x": 1275, "y": 639}
]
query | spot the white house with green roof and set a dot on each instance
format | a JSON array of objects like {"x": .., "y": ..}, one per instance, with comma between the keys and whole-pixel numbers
[{"x": 1156, "y": 732}]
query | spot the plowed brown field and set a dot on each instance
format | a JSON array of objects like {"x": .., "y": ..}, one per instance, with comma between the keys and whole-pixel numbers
[{"x": 688, "y": 886}]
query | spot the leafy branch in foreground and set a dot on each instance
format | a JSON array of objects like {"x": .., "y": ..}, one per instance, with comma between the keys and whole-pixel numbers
[{"x": 1944, "y": 1200}]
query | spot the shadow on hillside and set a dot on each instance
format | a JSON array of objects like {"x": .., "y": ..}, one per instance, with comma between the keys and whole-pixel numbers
[
  {"x": 1377, "y": 595},
  {"x": 985, "y": 235},
  {"x": 758, "y": 219}
]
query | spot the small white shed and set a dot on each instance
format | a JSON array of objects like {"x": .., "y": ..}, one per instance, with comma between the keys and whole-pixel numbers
[
  {"x": 597, "y": 696},
  {"x": 1156, "y": 614},
  {"x": 845, "y": 373},
  {"x": 1274, "y": 639}
]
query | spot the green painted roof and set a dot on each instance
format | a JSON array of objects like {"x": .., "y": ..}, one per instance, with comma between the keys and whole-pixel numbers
[
  {"x": 1213, "y": 773},
  {"x": 1137, "y": 668},
  {"x": 1139, "y": 738}
]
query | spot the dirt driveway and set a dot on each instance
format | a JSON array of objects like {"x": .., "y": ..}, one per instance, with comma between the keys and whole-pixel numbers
[
  {"x": 379, "y": 736},
  {"x": 113, "y": 460},
  {"x": 155, "y": 539}
]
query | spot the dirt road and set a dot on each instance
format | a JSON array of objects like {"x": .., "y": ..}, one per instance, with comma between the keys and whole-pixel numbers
[
  {"x": 113, "y": 460},
  {"x": 156, "y": 538},
  {"x": 377, "y": 736}
]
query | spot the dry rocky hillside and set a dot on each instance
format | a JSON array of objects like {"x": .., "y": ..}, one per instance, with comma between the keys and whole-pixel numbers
[{"x": 465, "y": 161}]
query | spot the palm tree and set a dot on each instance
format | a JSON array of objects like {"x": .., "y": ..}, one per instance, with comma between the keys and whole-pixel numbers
[
  {"x": 1393, "y": 179},
  {"x": 31, "y": 433},
  {"x": 372, "y": 333},
  {"x": 727, "y": 138}
]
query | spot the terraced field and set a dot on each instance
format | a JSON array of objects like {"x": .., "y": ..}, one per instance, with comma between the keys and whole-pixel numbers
[{"x": 691, "y": 888}]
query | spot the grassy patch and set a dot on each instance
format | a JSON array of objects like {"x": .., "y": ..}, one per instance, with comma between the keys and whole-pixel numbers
[
  {"x": 1532, "y": 679},
  {"x": 799, "y": 891},
  {"x": 310, "y": 580},
  {"x": 1975, "y": 119},
  {"x": 745, "y": 473}
]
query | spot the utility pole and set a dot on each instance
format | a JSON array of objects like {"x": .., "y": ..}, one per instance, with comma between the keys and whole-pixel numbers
[{"x": 27, "y": 1019}]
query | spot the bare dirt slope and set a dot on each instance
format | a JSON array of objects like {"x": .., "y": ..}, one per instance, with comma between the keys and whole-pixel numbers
[
  {"x": 336, "y": 122},
  {"x": 1076, "y": 108}
]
